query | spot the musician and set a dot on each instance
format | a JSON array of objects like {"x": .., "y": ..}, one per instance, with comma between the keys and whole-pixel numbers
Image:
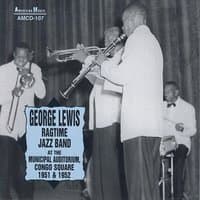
[
  {"x": 12, "y": 167},
  {"x": 140, "y": 75},
  {"x": 104, "y": 115},
  {"x": 179, "y": 121}
]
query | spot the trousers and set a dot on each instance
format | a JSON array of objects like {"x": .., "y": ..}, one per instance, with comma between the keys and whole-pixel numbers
[
  {"x": 106, "y": 165},
  {"x": 179, "y": 167},
  {"x": 142, "y": 163},
  {"x": 12, "y": 170}
]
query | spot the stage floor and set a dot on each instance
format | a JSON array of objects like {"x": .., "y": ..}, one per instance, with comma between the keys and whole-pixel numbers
[{"x": 63, "y": 191}]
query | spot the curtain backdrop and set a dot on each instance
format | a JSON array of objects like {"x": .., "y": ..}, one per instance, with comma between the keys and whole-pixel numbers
[{"x": 176, "y": 24}]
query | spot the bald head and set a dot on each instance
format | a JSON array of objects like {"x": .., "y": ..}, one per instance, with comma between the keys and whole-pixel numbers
[{"x": 133, "y": 16}]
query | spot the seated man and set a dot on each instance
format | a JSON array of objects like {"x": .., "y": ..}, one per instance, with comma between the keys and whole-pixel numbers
[{"x": 179, "y": 121}]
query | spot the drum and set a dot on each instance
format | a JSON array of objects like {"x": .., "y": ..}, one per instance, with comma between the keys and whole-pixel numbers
[{"x": 167, "y": 145}]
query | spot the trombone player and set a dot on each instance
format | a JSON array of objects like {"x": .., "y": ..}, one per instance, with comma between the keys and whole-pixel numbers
[{"x": 22, "y": 80}]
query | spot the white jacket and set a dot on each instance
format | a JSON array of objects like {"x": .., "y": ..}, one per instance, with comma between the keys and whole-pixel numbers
[
  {"x": 8, "y": 76},
  {"x": 184, "y": 113},
  {"x": 105, "y": 98},
  {"x": 141, "y": 75}
]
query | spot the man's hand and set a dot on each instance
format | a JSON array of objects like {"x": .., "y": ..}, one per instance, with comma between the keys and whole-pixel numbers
[
  {"x": 100, "y": 58},
  {"x": 17, "y": 91},
  {"x": 80, "y": 54},
  {"x": 179, "y": 127}
]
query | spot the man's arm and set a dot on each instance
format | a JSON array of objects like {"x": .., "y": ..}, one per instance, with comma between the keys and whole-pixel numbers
[
  {"x": 5, "y": 86},
  {"x": 180, "y": 128},
  {"x": 94, "y": 73},
  {"x": 39, "y": 86},
  {"x": 188, "y": 129},
  {"x": 125, "y": 71}
]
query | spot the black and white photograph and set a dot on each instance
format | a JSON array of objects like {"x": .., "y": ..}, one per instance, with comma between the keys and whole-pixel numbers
[{"x": 99, "y": 99}]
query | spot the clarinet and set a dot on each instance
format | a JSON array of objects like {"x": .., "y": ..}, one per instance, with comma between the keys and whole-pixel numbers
[{"x": 106, "y": 52}]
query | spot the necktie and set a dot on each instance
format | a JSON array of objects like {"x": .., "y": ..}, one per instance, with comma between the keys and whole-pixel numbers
[{"x": 171, "y": 104}]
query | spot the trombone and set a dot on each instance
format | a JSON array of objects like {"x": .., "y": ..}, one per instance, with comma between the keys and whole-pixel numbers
[
  {"x": 24, "y": 80},
  {"x": 67, "y": 54}
]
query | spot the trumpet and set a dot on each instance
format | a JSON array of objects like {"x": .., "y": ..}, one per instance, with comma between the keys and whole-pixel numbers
[
  {"x": 67, "y": 54},
  {"x": 25, "y": 80},
  {"x": 66, "y": 93}
]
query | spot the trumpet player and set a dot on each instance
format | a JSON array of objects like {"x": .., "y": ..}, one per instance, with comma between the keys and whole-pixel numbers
[
  {"x": 22, "y": 80},
  {"x": 104, "y": 169}
]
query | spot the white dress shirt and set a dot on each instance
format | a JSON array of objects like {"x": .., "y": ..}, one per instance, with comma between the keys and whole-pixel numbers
[
  {"x": 8, "y": 76},
  {"x": 105, "y": 98},
  {"x": 141, "y": 75},
  {"x": 182, "y": 112}
]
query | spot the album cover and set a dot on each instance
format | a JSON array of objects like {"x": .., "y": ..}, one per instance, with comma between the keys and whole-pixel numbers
[{"x": 82, "y": 86}]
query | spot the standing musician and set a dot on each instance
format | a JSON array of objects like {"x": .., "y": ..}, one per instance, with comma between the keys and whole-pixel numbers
[
  {"x": 13, "y": 76},
  {"x": 140, "y": 75},
  {"x": 105, "y": 169},
  {"x": 179, "y": 121}
]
